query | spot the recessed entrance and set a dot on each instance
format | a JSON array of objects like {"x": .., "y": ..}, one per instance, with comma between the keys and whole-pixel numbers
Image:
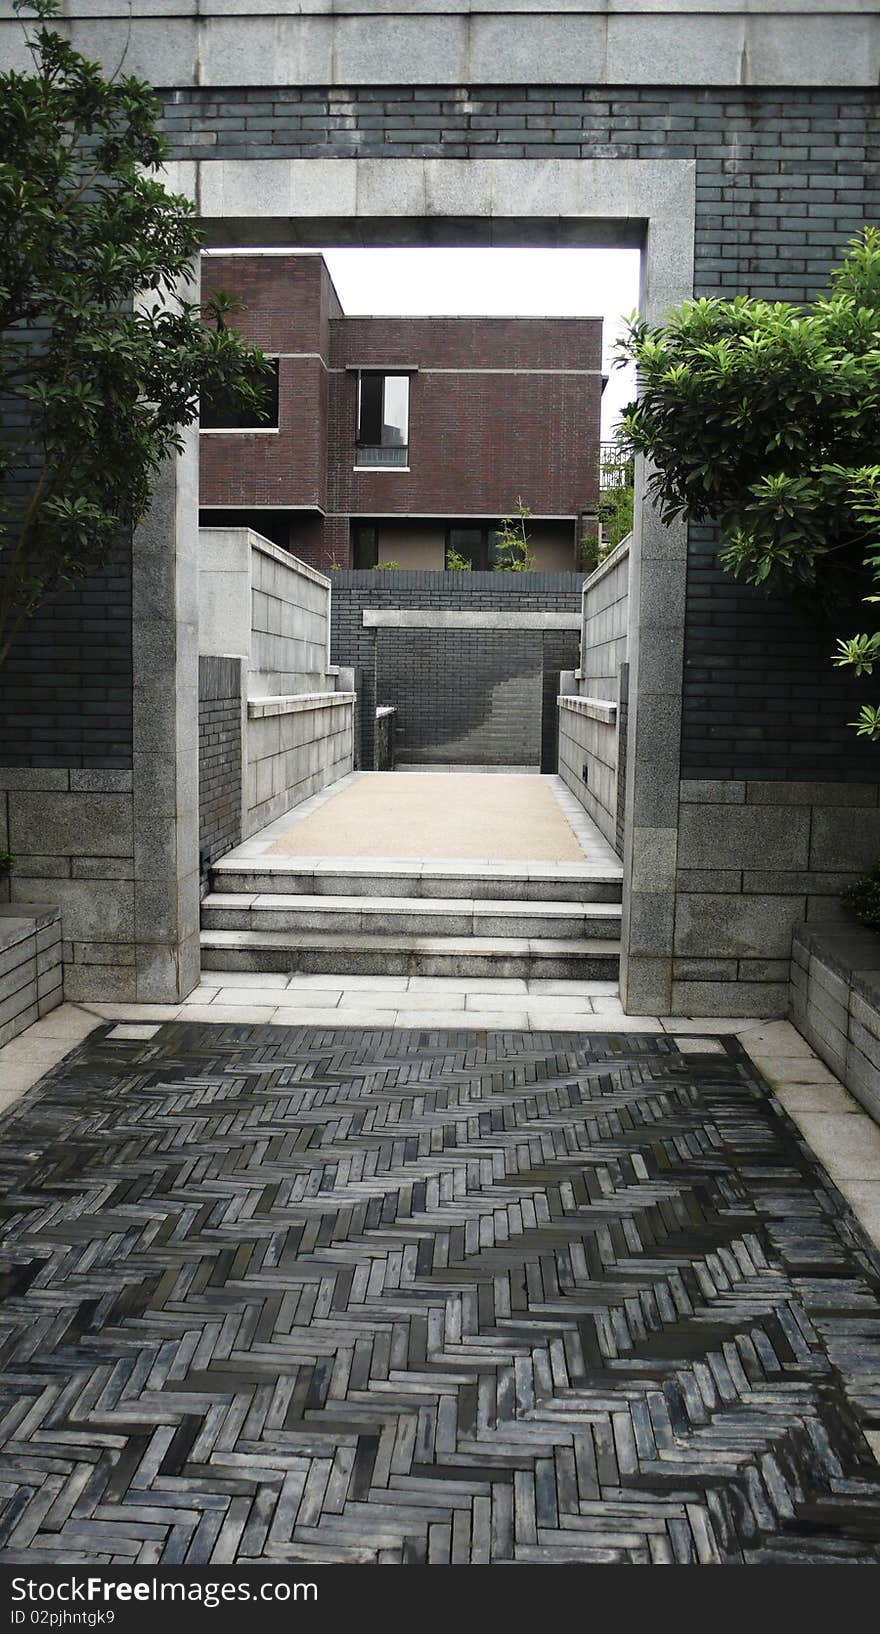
[{"x": 614, "y": 202}]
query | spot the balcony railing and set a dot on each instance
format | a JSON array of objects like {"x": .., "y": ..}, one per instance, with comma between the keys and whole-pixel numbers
[{"x": 365, "y": 455}]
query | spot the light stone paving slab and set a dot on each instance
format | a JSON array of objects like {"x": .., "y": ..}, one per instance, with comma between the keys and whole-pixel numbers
[
  {"x": 863, "y": 1197},
  {"x": 333, "y": 982},
  {"x": 513, "y": 985},
  {"x": 694, "y": 1044},
  {"x": 784, "y": 1070},
  {"x": 67, "y": 1022},
  {"x": 822, "y": 1097},
  {"x": 847, "y": 1143},
  {"x": 244, "y": 978},
  {"x": 250, "y": 1015},
  {"x": 403, "y": 1001},
  {"x": 480, "y": 1000},
  {"x": 590, "y": 989},
  {"x": 333, "y": 1018},
  {"x": 293, "y": 998}
]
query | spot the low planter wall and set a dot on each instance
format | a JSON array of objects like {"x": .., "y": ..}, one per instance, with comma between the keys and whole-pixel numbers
[
  {"x": 588, "y": 756},
  {"x": 593, "y": 701},
  {"x": 30, "y": 965},
  {"x": 835, "y": 1003},
  {"x": 295, "y": 745}
]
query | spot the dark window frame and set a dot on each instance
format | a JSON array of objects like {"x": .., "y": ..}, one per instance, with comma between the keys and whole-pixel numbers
[
  {"x": 374, "y": 421},
  {"x": 357, "y": 549},
  {"x": 481, "y": 558}
]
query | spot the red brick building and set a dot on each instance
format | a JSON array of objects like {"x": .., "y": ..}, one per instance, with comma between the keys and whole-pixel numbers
[{"x": 398, "y": 439}]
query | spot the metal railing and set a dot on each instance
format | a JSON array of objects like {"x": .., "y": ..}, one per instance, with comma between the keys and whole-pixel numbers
[{"x": 364, "y": 455}]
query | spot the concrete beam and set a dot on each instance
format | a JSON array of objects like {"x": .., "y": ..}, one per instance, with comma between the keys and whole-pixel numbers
[{"x": 182, "y": 43}]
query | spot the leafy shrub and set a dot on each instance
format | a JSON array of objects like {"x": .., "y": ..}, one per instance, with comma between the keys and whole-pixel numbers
[
  {"x": 513, "y": 552},
  {"x": 862, "y": 898}
]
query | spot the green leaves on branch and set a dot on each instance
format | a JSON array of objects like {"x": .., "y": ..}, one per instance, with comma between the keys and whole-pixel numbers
[
  {"x": 512, "y": 547},
  {"x": 104, "y": 353},
  {"x": 765, "y": 418}
]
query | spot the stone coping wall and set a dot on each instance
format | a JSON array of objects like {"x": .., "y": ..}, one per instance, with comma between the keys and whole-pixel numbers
[
  {"x": 592, "y": 750},
  {"x": 295, "y": 747},
  {"x": 30, "y": 966},
  {"x": 835, "y": 1003},
  {"x": 268, "y": 608},
  {"x": 295, "y": 712}
]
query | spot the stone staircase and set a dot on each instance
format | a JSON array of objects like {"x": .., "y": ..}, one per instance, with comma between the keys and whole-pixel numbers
[{"x": 560, "y": 921}]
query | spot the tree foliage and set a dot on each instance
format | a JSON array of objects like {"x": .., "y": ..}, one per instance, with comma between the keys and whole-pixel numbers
[
  {"x": 102, "y": 356},
  {"x": 513, "y": 548},
  {"x": 765, "y": 417}
]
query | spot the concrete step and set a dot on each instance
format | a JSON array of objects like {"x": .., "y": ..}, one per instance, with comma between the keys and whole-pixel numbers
[
  {"x": 532, "y": 882},
  {"x": 371, "y": 954},
  {"x": 410, "y": 916}
]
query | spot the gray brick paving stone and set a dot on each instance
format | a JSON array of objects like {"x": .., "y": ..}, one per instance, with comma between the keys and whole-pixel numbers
[{"x": 323, "y": 1295}]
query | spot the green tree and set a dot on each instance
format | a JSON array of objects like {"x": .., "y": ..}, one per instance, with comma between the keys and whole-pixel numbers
[
  {"x": 513, "y": 551},
  {"x": 765, "y": 417},
  {"x": 102, "y": 359}
]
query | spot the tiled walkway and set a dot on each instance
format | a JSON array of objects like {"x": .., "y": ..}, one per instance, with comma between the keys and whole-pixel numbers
[{"x": 320, "y": 1294}]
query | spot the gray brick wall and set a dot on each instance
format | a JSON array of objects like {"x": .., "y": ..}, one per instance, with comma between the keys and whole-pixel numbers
[
  {"x": 443, "y": 683},
  {"x": 65, "y": 690},
  {"x": 468, "y": 696},
  {"x": 783, "y": 180},
  {"x": 219, "y": 759}
]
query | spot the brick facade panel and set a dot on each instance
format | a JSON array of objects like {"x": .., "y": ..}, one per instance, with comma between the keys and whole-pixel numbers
[{"x": 478, "y": 442}]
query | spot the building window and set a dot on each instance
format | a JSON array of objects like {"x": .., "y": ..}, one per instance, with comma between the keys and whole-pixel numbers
[
  {"x": 382, "y": 419},
  {"x": 364, "y": 544},
  {"x": 216, "y": 412},
  {"x": 476, "y": 543}
]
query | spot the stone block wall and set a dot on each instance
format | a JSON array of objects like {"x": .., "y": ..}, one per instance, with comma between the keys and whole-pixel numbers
[
  {"x": 220, "y": 769},
  {"x": 290, "y": 622},
  {"x": 592, "y": 745},
  {"x": 273, "y": 612},
  {"x": 588, "y": 757},
  {"x": 83, "y": 824},
  {"x": 756, "y": 859},
  {"x": 295, "y": 746},
  {"x": 605, "y": 625},
  {"x": 461, "y": 693},
  {"x": 835, "y": 1003},
  {"x": 30, "y": 966}
]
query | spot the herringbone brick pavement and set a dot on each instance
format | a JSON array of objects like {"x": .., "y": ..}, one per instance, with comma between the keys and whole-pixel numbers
[{"x": 300, "y": 1295}]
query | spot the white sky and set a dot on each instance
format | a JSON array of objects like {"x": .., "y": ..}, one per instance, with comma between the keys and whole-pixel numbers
[{"x": 498, "y": 283}]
